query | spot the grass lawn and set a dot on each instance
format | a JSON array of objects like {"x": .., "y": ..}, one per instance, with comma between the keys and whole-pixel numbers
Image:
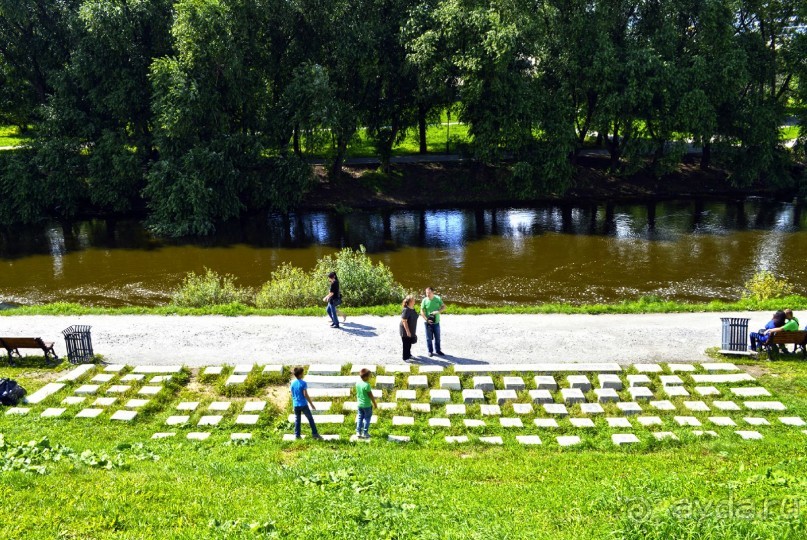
[
  {"x": 114, "y": 481},
  {"x": 10, "y": 136}
]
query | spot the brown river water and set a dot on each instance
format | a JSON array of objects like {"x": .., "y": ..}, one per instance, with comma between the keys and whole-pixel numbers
[{"x": 681, "y": 250}]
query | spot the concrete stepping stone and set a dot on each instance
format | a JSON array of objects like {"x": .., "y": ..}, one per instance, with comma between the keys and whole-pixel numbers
[
  {"x": 387, "y": 405},
  {"x": 640, "y": 392},
  {"x": 676, "y": 391},
  {"x": 450, "y": 382},
  {"x": 243, "y": 369},
  {"x": 707, "y": 391},
  {"x": 647, "y": 368},
  {"x": 331, "y": 381},
  {"x": 211, "y": 420},
  {"x": 149, "y": 390},
  {"x": 403, "y": 420},
  {"x": 430, "y": 369},
  {"x": 661, "y": 435},
  {"x": 638, "y": 380},
  {"x": 273, "y": 369},
  {"x": 356, "y": 368},
  {"x": 52, "y": 412},
  {"x": 491, "y": 440},
  {"x": 545, "y": 423},
  {"x": 73, "y": 400},
  {"x": 417, "y": 381},
  {"x": 386, "y": 382},
  {"x": 557, "y": 409},
  {"x": 726, "y": 405},
  {"x": 405, "y": 395},
  {"x": 398, "y": 368},
  {"x": 84, "y": 389},
  {"x": 722, "y": 421},
  {"x": 696, "y": 406},
  {"x": 133, "y": 377},
  {"x": 681, "y": 368},
  {"x": 439, "y": 396},
  {"x": 254, "y": 406},
  {"x": 582, "y": 422},
  {"x": 503, "y": 396},
  {"x": 118, "y": 389},
  {"x": 606, "y": 395},
  {"x": 647, "y": 421},
  {"x": 722, "y": 378},
  {"x": 329, "y": 392},
  {"x": 163, "y": 435},
  {"x": 472, "y": 423},
  {"x": 629, "y": 407},
  {"x": 324, "y": 369},
  {"x": 528, "y": 440},
  {"x": 123, "y": 416},
  {"x": 749, "y": 435},
  {"x": 355, "y": 439},
  {"x": 322, "y": 419},
  {"x": 240, "y": 436},
  {"x": 572, "y": 396},
  {"x": 624, "y": 438},
  {"x": 248, "y": 419},
  {"x": 219, "y": 406},
  {"x": 700, "y": 433},
  {"x": 580, "y": 382},
  {"x": 751, "y": 391},
  {"x": 18, "y": 411},
  {"x": 514, "y": 383},
  {"x": 618, "y": 422},
  {"x": 719, "y": 366},
  {"x": 104, "y": 401},
  {"x": 542, "y": 367},
  {"x": 455, "y": 409},
  {"x": 663, "y": 405},
  {"x": 177, "y": 420},
  {"x": 490, "y": 410},
  {"x": 522, "y": 408},
  {"x": 399, "y": 438},
  {"x": 321, "y": 407},
  {"x": 455, "y": 439},
  {"x": 199, "y": 435},
  {"x": 350, "y": 406},
  {"x": 610, "y": 380},
  {"x": 114, "y": 368},
  {"x": 440, "y": 422},
  {"x": 545, "y": 382},
  {"x": 471, "y": 396},
  {"x": 755, "y": 421},
  {"x": 591, "y": 408},
  {"x": 485, "y": 384},
  {"x": 764, "y": 405},
  {"x": 791, "y": 421},
  {"x": 420, "y": 407},
  {"x": 188, "y": 406},
  {"x": 671, "y": 380},
  {"x": 89, "y": 413},
  {"x": 511, "y": 422},
  {"x": 687, "y": 421},
  {"x": 213, "y": 370},
  {"x": 541, "y": 396},
  {"x": 157, "y": 369},
  {"x": 568, "y": 440},
  {"x": 234, "y": 380},
  {"x": 102, "y": 378},
  {"x": 74, "y": 374}
]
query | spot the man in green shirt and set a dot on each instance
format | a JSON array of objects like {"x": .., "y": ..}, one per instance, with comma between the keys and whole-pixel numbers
[
  {"x": 791, "y": 325},
  {"x": 430, "y": 309},
  {"x": 365, "y": 406}
]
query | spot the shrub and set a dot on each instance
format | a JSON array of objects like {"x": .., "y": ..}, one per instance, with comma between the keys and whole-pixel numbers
[
  {"x": 289, "y": 287},
  {"x": 764, "y": 286},
  {"x": 208, "y": 289}
]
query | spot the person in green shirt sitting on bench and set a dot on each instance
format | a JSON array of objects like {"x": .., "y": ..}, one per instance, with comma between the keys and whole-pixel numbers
[{"x": 791, "y": 325}]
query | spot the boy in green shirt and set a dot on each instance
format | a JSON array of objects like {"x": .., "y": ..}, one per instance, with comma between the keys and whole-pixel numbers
[
  {"x": 791, "y": 325},
  {"x": 366, "y": 404}
]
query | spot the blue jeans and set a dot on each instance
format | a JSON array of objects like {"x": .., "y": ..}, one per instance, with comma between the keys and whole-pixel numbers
[
  {"x": 331, "y": 309},
  {"x": 307, "y": 412},
  {"x": 363, "y": 420},
  {"x": 433, "y": 331}
]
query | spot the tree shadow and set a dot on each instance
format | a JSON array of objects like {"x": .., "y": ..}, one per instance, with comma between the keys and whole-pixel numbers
[{"x": 445, "y": 361}]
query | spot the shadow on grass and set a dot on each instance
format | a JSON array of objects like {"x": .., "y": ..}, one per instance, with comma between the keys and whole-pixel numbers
[{"x": 30, "y": 361}]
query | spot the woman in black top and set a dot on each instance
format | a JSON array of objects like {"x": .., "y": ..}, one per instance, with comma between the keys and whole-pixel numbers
[
  {"x": 333, "y": 298},
  {"x": 408, "y": 326}
]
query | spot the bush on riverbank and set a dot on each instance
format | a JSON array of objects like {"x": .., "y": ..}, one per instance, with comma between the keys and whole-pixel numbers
[
  {"x": 765, "y": 286},
  {"x": 209, "y": 289}
]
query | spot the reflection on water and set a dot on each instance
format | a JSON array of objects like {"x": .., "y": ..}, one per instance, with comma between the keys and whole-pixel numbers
[{"x": 686, "y": 250}]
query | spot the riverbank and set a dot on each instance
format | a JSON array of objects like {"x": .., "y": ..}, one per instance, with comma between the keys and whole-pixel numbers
[{"x": 512, "y": 339}]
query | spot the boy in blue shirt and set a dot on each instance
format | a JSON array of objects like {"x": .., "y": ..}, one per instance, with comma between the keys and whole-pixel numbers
[{"x": 301, "y": 401}]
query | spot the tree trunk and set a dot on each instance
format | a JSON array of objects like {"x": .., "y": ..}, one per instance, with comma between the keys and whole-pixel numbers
[
  {"x": 706, "y": 156},
  {"x": 339, "y": 157},
  {"x": 296, "y": 140},
  {"x": 422, "y": 129}
]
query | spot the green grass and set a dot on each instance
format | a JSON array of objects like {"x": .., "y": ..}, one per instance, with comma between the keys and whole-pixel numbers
[
  {"x": 789, "y": 132},
  {"x": 113, "y": 481},
  {"x": 10, "y": 136}
]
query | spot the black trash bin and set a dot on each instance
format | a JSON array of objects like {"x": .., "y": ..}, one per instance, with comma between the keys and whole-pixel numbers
[
  {"x": 735, "y": 334},
  {"x": 79, "y": 344}
]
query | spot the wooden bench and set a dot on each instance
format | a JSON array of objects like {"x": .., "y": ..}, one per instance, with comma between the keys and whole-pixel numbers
[
  {"x": 14, "y": 344},
  {"x": 799, "y": 339}
]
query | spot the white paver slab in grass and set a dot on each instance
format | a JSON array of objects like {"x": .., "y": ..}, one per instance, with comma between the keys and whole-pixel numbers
[
  {"x": 491, "y": 440},
  {"x": 572, "y": 395},
  {"x": 398, "y": 368},
  {"x": 149, "y": 390},
  {"x": 104, "y": 401},
  {"x": 719, "y": 366},
  {"x": 247, "y": 419},
  {"x": 331, "y": 381},
  {"x": 609, "y": 380},
  {"x": 136, "y": 403},
  {"x": 440, "y": 422},
  {"x": 350, "y": 406},
  {"x": 580, "y": 382},
  {"x": 618, "y": 422},
  {"x": 210, "y": 420},
  {"x": 323, "y": 419},
  {"x": 243, "y": 369},
  {"x": 624, "y": 438},
  {"x": 403, "y": 420},
  {"x": 450, "y": 382},
  {"x": 687, "y": 421},
  {"x": 324, "y": 369},
  {"x": 198, "y": 435},
  {"x": 545, "y": 382},
  {"x": 164, "y": 435},
  {"x": 219, "y": 406},
  {"x": 629, "y": 407},
  {"x": 473, "y": 423},
  {"x": 568, "y": 440},
  {"x": 187, "y": 406},
  {"x": 484, "y": 384},
  {"x": 647, "y": 368},
  {"x": 722, "y": 378},
  {"x": 522, "y": 408},
  {"x": 157, "y": 369},
  {"x": 490, "y": 410},
  {"x": 408, "y": 395},
  {"x": 102, "y": 378},
  {"x": 177, "y": 420},
  {"x": 328, "y": 392},
  {"x": 541, "y": 396},
  {"x": 543, "y": 367},
  {"x": 234, "y": 380},
  {"x": 213, "y": 370},
  {"x": 791, "y": 421},
  {"x": 123, "y": 416},
  {"x": 749, "y": 435},
  {"x": 114, "y": 368},
  {"x": 671, "y": 380},
  {"x": 76, "y": 373},
  {"x": 73, "y": 400},
  {"x": 640, "y": 392},
  {"x": 514, "y": 383},
  {"x": 582, "y": 422},
  {"x": 528, "y": 440},
  {"x": 591, "y": 408},
  {"x": 545, "y": 423},
  {"x": 455, "y": 409},
  {"x": 750, "y": 391},
  {"x": 439, "y": 395},
  {"x": 417, "y": 381},
  {"x": 273, "y": 369},
  {"x": 133, "y": 377},
  {"x": 638, "y": 380},
  {"x": 43, "y": 393},
  {"x": 681, "y": 368},
  {"x": 696, "y": 406},
  {"x": 420, "y": 407},
  {"x": 472, "y": 395},
  {"x": 385, "y": 381},
  {"x": 431, "y": 369},
  {"x": 399, "y": 438},
  {"x": 86, "y": 389},
  {"x": 701, "y": 433},
  {"x": 676, "y": 391},
  {"x": 661, "y": 435},
  {"x": 511, "y": 422},
  {"x": 89, "y": 413},
  {"x": 725, "y": 405},
  {"x": 756, "y": 421},
  {"x": 707, "y": 391},
  {"x": 503, "y": 396},
  {"x": 606, "y": 395},
  {"x": 254, "y": 406},
  {"x": 356, "y": 368},
  {"x": 240, "y": 436},
  {"x": 118, "y": 389},
  {"x": 18, "y": 411},
  {"x": 722, "y": 421},
  {"x": 455, "y": 439},
  {"x": 764, "y": 405},
  {"x": 557, "y": 409},
  {"x": 663, "y": 405},
  {"x": 387, "y": 405},
  {"x": 649, "y": 420}
]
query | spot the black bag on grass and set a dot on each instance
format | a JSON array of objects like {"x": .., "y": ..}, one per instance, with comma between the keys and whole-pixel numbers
[{"x": 10, "y": 392}]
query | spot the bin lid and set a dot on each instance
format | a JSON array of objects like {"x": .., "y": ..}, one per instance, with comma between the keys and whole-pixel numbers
[{"x": 76, "y": 329}]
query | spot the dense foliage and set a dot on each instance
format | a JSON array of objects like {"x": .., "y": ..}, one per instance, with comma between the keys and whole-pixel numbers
[{"x": 199, "y": 110}]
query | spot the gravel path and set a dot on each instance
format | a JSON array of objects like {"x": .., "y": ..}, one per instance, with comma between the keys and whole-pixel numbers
[{"x": 198, "y": 341}]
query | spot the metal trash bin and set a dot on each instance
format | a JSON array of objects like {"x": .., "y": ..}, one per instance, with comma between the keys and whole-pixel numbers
[
  {"x": 735, "y": 334},
  {"x": 78, "y": 341}
]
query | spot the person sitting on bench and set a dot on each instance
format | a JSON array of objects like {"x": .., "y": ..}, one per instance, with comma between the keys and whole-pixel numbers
[
  {"x": 758, "y": 338},
  {"x": 791, "y": 325}
]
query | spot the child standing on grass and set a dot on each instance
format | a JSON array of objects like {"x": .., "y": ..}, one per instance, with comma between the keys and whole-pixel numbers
[
  {"x": 301, "y": 401},
  {"x": 366, "y": 404}
]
